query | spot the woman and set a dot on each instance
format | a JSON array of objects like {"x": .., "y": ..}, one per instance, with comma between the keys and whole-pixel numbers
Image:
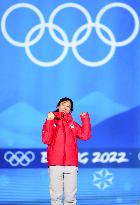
[{"x": 60, "y": 133}]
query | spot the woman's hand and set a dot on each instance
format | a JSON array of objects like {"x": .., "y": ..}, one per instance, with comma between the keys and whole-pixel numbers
[
  {"x": 50, "y": 116},
  {"x": 83, "y": 114}
]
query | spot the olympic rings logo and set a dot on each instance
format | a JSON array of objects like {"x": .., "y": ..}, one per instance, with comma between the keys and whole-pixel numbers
[
  {"x": 19, "y": 158},
  {"x": 75, "y": 42}
]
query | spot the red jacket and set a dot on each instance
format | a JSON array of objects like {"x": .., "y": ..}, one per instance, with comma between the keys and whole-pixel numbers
[{"x": 61, "y": 135}]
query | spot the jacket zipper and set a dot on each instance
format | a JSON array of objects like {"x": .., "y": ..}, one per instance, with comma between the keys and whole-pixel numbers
[{"x": 64, "y": 157}]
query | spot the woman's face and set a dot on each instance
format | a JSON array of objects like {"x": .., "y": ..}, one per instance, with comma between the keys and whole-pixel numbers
[{"x": 65, "y": 107}]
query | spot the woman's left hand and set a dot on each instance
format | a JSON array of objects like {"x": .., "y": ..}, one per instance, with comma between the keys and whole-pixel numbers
[{"x": 83, "y": 113}]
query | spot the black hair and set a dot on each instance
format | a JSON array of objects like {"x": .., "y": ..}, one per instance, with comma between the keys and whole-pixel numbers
[{"x": 62, "y": 100}]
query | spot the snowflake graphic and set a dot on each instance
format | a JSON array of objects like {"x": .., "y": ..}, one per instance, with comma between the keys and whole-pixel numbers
[{"x": 103, "y": 179}]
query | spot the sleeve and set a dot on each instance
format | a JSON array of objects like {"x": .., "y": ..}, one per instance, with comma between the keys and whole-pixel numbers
[
  {"x": 48, "y": 132},
  {"x": 84, "y": 131}
]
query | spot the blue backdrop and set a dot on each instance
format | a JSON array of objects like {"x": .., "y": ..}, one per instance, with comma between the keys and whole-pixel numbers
[{"x": 85, "y": 50}]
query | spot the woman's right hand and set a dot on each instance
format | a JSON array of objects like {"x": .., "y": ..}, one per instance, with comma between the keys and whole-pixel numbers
[{"x": 50, "y": 116}]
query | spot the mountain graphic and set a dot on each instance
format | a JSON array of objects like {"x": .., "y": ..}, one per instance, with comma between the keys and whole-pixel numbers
[
  {"x": 99, "y": 107},
  {"x": 122, "y": 130},
  {"x": 20, "y": 126}
]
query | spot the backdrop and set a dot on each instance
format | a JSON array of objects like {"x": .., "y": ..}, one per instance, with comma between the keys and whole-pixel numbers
[{"x": 85, "y": 50}]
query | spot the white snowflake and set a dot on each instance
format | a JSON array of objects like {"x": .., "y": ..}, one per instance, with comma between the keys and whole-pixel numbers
[{"x": 103, "y": 179}]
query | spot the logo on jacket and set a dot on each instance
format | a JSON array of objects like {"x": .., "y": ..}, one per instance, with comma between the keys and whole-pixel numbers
[{"x": 72, "y": 126}]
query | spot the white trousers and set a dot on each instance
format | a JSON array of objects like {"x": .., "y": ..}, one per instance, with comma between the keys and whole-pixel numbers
[{"x": 63, "y": 180}]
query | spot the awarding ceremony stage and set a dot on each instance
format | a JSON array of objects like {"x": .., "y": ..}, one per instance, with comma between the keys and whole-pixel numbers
[{"x": 86, "y": 50}]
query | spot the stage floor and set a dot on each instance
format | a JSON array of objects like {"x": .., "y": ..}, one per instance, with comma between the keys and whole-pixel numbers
[{"x": 96, "y": 186}]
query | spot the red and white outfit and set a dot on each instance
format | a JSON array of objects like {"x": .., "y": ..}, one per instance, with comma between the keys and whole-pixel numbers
[{"x": 60, "y": 134}]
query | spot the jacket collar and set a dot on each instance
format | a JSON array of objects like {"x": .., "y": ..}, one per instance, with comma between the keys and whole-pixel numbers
[{"x": 63, "y": 116}]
